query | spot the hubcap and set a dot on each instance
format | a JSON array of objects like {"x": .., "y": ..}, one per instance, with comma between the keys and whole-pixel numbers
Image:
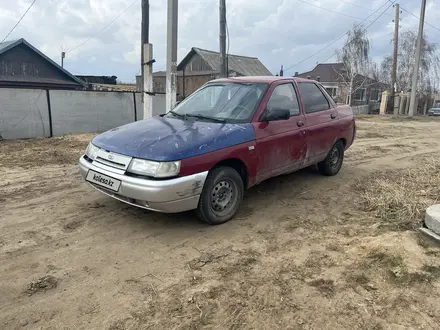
[{"x": 223, "y": 195}]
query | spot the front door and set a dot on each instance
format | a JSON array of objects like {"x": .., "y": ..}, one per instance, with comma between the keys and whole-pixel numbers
[{"x": 281, "y": 145}]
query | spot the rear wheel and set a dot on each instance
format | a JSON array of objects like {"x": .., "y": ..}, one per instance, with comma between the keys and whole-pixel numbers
[
  {"x": 221, "y": 196},
  {"x": 333, "y": 162}
]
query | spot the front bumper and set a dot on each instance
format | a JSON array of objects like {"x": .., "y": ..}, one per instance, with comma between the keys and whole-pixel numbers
[{"x": 168, "y": 196}]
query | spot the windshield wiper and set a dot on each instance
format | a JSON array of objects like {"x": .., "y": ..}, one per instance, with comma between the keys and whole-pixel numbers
[
  {"x": 178, "y": 114},
  {"x": 218, "y": 120}
]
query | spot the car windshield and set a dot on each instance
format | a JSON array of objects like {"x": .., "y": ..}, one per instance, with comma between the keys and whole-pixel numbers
[
  {"x": 437, "y": 105},
  {"x": 223, "y": 102}
]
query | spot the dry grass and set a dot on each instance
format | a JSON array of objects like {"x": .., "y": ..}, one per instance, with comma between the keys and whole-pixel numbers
[{"x": 400, "y": 198}]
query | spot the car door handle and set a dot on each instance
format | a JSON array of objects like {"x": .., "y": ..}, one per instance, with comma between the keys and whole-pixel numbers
[
  {"x": 300, "y": 123},
  {"x": 333, "y": 116}
]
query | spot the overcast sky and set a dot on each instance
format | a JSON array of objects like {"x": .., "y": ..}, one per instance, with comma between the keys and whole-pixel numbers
[{"x": 276, "y": 31}]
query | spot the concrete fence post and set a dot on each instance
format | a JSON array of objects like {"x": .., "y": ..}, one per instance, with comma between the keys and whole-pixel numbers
[
  {"x": 402, "y": 103},
  {"x": 383, "y": 103}
]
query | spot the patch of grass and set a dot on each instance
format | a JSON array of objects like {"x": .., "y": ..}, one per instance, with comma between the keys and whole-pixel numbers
[
  {"x": 432, "y": 272},
  {"x": 244, "y": 263},
  {"x": 386, "y": 259},
  {"x": 326, "y": 287},
  {"x": 395, "y": 266},
  {"x": 400, "y": 198},
  {"x": 378, "y": 149},
  {"x": 372, "y": 135},
  {"x": 318, "y": 260}
]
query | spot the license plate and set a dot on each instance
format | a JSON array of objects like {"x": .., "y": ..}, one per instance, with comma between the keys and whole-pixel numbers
[{"x": 103, "y": 180}]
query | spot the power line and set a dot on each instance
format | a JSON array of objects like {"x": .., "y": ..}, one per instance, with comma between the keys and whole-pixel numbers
[
  {"x": 362, "y": 7},
  {"x": 342, "y": 36},
  {"x": 365, "y": 28},
  {"x": 419, "y": 18},
  {"x": 330, "y": 10},
  {"x": 21, "y": 18},
  {"x": 110, "y": 23}
]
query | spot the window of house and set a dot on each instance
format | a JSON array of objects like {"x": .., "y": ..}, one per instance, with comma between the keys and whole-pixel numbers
[
  {"x": 375, "y": 95},
  {"x": 313, "y": 99},
  {"x": 331, "y": 91},
  {"x": 284, "y": 97},
  {"x": 359, "y": 94}
]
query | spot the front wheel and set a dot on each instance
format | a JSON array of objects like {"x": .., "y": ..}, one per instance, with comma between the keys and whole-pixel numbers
[
  {"x": 221, "y": 196},
  {"x": 333, "y": 162}
]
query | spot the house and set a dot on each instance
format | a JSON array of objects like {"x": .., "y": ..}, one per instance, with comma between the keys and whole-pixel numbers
[
  {"x": 367, "y": 91},
  {"x": 24, "y": 66},
  {"x": 200, "y": 66}
]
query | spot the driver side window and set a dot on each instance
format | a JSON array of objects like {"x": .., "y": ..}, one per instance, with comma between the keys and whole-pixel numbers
[{"x": 284, "y": 97}]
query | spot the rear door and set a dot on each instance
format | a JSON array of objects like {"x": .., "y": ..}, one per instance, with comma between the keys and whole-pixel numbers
[
  {"x": 321, "y": 121},
  {"x": 281, "y": 144}
]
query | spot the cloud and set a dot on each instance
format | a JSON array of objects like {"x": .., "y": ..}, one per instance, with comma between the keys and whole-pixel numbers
[{"x": 277, "y": 31}]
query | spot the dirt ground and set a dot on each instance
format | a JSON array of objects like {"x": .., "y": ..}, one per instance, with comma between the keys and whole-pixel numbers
[{"x": 305, "y": 251}]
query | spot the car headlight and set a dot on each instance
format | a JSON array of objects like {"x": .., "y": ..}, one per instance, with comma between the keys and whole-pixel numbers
[
  {"x": 92, "y": 151},
  {"x": 154, "y": 169}
]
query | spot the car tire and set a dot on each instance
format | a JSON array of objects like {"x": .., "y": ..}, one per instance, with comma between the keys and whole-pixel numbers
[
  {"x": 221, "y": 196},
  {"x": 333, "y": 162}
]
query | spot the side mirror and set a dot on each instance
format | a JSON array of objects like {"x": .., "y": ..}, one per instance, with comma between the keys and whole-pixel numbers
[{"x": 275, "y": 114}]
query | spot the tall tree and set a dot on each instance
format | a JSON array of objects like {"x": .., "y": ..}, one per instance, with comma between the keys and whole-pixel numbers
[
  {"x": 429, "y": 72},
  {"x": 355, "y": 57}
]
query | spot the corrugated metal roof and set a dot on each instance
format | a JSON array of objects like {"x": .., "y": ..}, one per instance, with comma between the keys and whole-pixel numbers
[
  {"x": 247, "y": 66},
  {"x": 7, "y": 45}
]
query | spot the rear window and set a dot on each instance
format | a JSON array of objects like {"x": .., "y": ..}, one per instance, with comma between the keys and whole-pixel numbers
[{"x": 313, "y": 98}]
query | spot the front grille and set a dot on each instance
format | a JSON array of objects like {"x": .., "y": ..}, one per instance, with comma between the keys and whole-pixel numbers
[
  {"x": 110, "y": 163},
  {"x": 111, "y": 159}
]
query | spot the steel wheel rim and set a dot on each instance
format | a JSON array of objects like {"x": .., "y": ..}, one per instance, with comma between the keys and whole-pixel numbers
[
  {"x": 223, "y": 197},
  {"x": 335, "y": 158}
]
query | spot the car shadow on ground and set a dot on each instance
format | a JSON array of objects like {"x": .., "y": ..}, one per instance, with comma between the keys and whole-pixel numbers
[{"x": 188, "y": 220}]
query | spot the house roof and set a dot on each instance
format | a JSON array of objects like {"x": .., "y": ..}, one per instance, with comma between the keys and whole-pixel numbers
[
  {"x": 248, "y": 66},
  {"x": 327, "y": 72},
  {"x": 7, "y": 45}
]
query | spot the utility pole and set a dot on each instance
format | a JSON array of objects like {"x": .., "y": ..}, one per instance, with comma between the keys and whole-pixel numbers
[
  {"x": 412, "y": 104},
  {"x": 171, "y": 79},
  {"x": 394, "y": 72},
  {"x": 146, "y": 61},
  {"x": 223, "y": 58},
  {"x": 63, "y": 55}
]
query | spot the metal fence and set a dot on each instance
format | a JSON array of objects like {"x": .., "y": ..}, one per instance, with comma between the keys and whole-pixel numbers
[{"x": 29, "y": 113}]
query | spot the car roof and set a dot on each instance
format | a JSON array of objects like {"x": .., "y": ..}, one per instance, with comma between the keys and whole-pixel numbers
[{"x": 260, "y": 79}]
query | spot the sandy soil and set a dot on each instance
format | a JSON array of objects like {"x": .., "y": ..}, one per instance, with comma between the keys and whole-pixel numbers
[{"x": 303, "y": 253}]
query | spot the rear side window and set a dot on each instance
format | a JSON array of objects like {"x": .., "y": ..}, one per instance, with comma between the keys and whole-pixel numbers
[
  {"x": 284, "y": 97},
  {"x": 314, "y": 100}
]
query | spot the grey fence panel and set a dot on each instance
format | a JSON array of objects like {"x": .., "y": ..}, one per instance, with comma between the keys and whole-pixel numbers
[
  {"x": 158, "y": 105},
  {"x": 86, "y": 112},
  {"x": 23, "y": 113},
  {"x": 361, "y": 109}
]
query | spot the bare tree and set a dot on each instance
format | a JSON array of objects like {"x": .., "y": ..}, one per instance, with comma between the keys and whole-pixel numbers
[
  {"x": 355, "y": 58},
  {"x": 429, "y": 73}
]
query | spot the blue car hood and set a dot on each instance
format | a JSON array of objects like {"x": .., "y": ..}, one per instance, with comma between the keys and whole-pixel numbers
[{"x": 168, "y": 139}]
